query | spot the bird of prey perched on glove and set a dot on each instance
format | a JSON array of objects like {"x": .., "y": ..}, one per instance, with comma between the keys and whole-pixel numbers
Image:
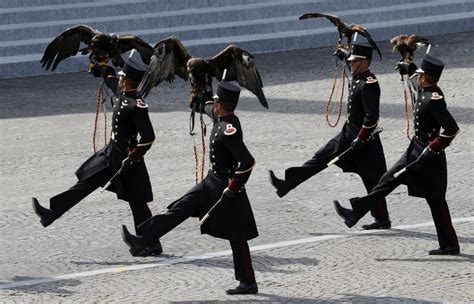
[
  {"x": 407, "y": 44},
  {"x": 100, "y": 46},
  {"x": 345, "y": 30},
  {"x": 171, "y": 58}
]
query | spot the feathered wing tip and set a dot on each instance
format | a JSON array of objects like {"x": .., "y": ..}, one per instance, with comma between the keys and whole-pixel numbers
[
  {"x": 66, "y": 45},
  {"x": 169, "y": 59},
  {"x": 241, "y": 67}
]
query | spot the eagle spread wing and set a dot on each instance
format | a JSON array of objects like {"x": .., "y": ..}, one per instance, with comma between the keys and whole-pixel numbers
[
  {"x": 334, "y": 19},
  {"x": 169, "y": 59},
  {"x": 67, "y": 44},
  {"x": 241, "y": 67},
  {"x": 363, "y": 31},
  {"x": 130, "y": 42}
]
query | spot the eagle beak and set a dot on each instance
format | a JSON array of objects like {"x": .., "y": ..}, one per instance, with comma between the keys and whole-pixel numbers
[{"x": 394, "y": 49}]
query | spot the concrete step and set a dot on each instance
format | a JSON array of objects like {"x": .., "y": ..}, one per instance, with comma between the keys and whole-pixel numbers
[
  {"x": 105, "y": 8},
  {"x": 23, "y": 65},
  {"x": 260, "y": 26},
  {"x": 131, "y": 22}
]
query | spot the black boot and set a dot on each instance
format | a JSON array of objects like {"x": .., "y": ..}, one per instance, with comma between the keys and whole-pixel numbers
[
  {"x": 279, "y": 184},
  {"x": 46, "y": 216},
  {"x": 349, "y": 216},
  {"x": 377, "y": 224},
  {"x": 243, "y": 288},
  {"x": 139, "y": 246},
  {"x": 445, "y": 251}
]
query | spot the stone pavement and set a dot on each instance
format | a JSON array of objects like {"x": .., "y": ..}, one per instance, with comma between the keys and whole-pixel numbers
[{"x": 46, "y": 130}]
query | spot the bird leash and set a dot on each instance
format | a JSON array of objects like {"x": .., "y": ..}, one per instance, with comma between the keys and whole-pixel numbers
[
  {"x": 328, "y": 103},
  {"x": 100, "y": 107},
  {"x": 192, "y": 118}
]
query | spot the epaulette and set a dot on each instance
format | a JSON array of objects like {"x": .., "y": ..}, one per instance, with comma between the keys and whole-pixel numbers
[
  {"x": 230, "y": 129},
  {"x": 370, "y": 79},
  {"x": 436, "y": 96},
  {"x": 141, "y": 104}
]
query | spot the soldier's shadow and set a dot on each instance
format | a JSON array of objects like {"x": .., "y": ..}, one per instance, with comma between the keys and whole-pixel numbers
[
  {"x": 51, "y": 287},
  {"x": 346, "y": 298},
  {"x": 262, "y": 262}
]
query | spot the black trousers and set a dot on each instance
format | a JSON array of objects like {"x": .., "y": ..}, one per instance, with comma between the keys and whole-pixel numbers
[
  {"x": 295, "y": 176},
  {"x": 64, "y": 201},
  {"x": 160, "y": 224},
  {"x": 439, "y": 209}
]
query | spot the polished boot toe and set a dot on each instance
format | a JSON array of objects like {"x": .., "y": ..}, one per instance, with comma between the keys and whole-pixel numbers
[
  {"x": 279, "y": 184},
  {"x": 138, "y": 245},
  {"x": 348, "y": 215},
  {"x": 378, "y": 225},
  {"x": 46, "y": 215},
  {"x": 243, "y": 288},
  {"x": 445, "y": 251}
]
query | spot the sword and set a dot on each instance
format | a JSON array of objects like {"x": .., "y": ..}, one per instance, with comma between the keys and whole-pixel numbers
[
  {"x": 209, "y": 212},
  {"x": 335, "y": 159},
  {"x": 125, "y": 164},
  {"x": 400, "y": 172}
]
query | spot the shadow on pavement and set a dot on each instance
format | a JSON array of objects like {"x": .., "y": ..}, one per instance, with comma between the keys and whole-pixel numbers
[{"x": 56, "y": 287}]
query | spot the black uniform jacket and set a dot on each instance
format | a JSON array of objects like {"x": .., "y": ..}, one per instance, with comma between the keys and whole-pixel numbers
[
  {"x": 428, "y": 180},
  {"x": 362, "y": 112},
  {"x": 130, "y": 119},
  {"x": 231, "y": 162}
]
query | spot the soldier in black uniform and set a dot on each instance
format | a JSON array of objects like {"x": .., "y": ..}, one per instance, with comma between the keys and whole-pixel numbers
[
  {"x": 230, "y": 168},
  {"x": 366, "y": 157},
  {"x": 130, "y": 118},
  {"x": 427, "y": 177}
]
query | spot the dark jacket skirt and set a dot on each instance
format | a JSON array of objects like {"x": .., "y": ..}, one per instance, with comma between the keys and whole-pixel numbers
[
  {"x": 232, "y": 220},
  {"x": 134, "y": 183}
]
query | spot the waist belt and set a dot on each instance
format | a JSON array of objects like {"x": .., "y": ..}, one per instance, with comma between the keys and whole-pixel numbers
[
  {"x": 426, "y": 136},
  {"x": 226, "y": 172}
]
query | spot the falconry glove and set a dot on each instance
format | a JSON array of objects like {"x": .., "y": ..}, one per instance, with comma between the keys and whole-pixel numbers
[
  {"x": 406, "y": 68},
  {"x": 342, "y": 53}
]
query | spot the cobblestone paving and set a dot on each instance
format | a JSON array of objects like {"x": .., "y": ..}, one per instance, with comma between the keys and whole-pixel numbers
[{"x": 46, "y": 130}]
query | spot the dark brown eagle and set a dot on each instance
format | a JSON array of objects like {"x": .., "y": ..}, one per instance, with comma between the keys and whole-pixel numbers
[
  {"x": 171, "y": 58},
  {"x": 407, "y": 44},
  {"x": 344, "y": 29},
  {"x": 101, "y": 46}
]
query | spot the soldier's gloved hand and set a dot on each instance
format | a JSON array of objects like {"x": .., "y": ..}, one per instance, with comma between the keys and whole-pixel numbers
[
  {"x": 227, "y": 195},
  {"x": 135, "y": 155},
  {"x": 425, "y": 155},
  {"x": 342, "y": 53},
  {"x": 102, "y": 71},
  {"x": 357, "y": 143},
  {"x": 406, "y": 67}
]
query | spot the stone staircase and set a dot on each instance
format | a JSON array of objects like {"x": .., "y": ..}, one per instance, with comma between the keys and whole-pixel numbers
[{"x": 207, "y": 26}]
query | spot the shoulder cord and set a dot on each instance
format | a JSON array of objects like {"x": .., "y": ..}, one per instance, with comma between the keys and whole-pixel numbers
[{"x": 328, "y": 104}]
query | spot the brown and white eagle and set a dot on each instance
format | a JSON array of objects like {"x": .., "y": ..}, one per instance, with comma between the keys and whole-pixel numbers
[
  {"x": 407, "y": 44},
  {"x": 171, "y": 58},
  {"x": 101, "y": 46},
  {"x": 344, "y": 29}
]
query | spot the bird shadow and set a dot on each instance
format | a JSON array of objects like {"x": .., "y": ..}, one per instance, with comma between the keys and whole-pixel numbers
[{"x": 52, "y": 287}]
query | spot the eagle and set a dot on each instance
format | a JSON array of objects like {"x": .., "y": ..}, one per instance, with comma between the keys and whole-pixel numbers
[
  {"x": 344, "y": 29},
  {"x": 100, "y": 46},
  {"x": 171, "y": 58},
  {"x": 407, "y": 44}
]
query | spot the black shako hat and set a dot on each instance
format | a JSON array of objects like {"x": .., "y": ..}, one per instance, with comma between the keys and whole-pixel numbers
[
  {"x": 228, "y": 92},
  {"x": 431, "y": 66},
  {"x": 134, "y": 68},
  {"x": 360, "y": 51}
]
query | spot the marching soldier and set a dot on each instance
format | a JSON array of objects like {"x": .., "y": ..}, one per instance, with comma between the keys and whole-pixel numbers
[
  {"x": 130, "y": 119},
  {"x": 423, "y": 165},
  {"x": 366, "y": 156},
  {"x": 232, "y": 217}
]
